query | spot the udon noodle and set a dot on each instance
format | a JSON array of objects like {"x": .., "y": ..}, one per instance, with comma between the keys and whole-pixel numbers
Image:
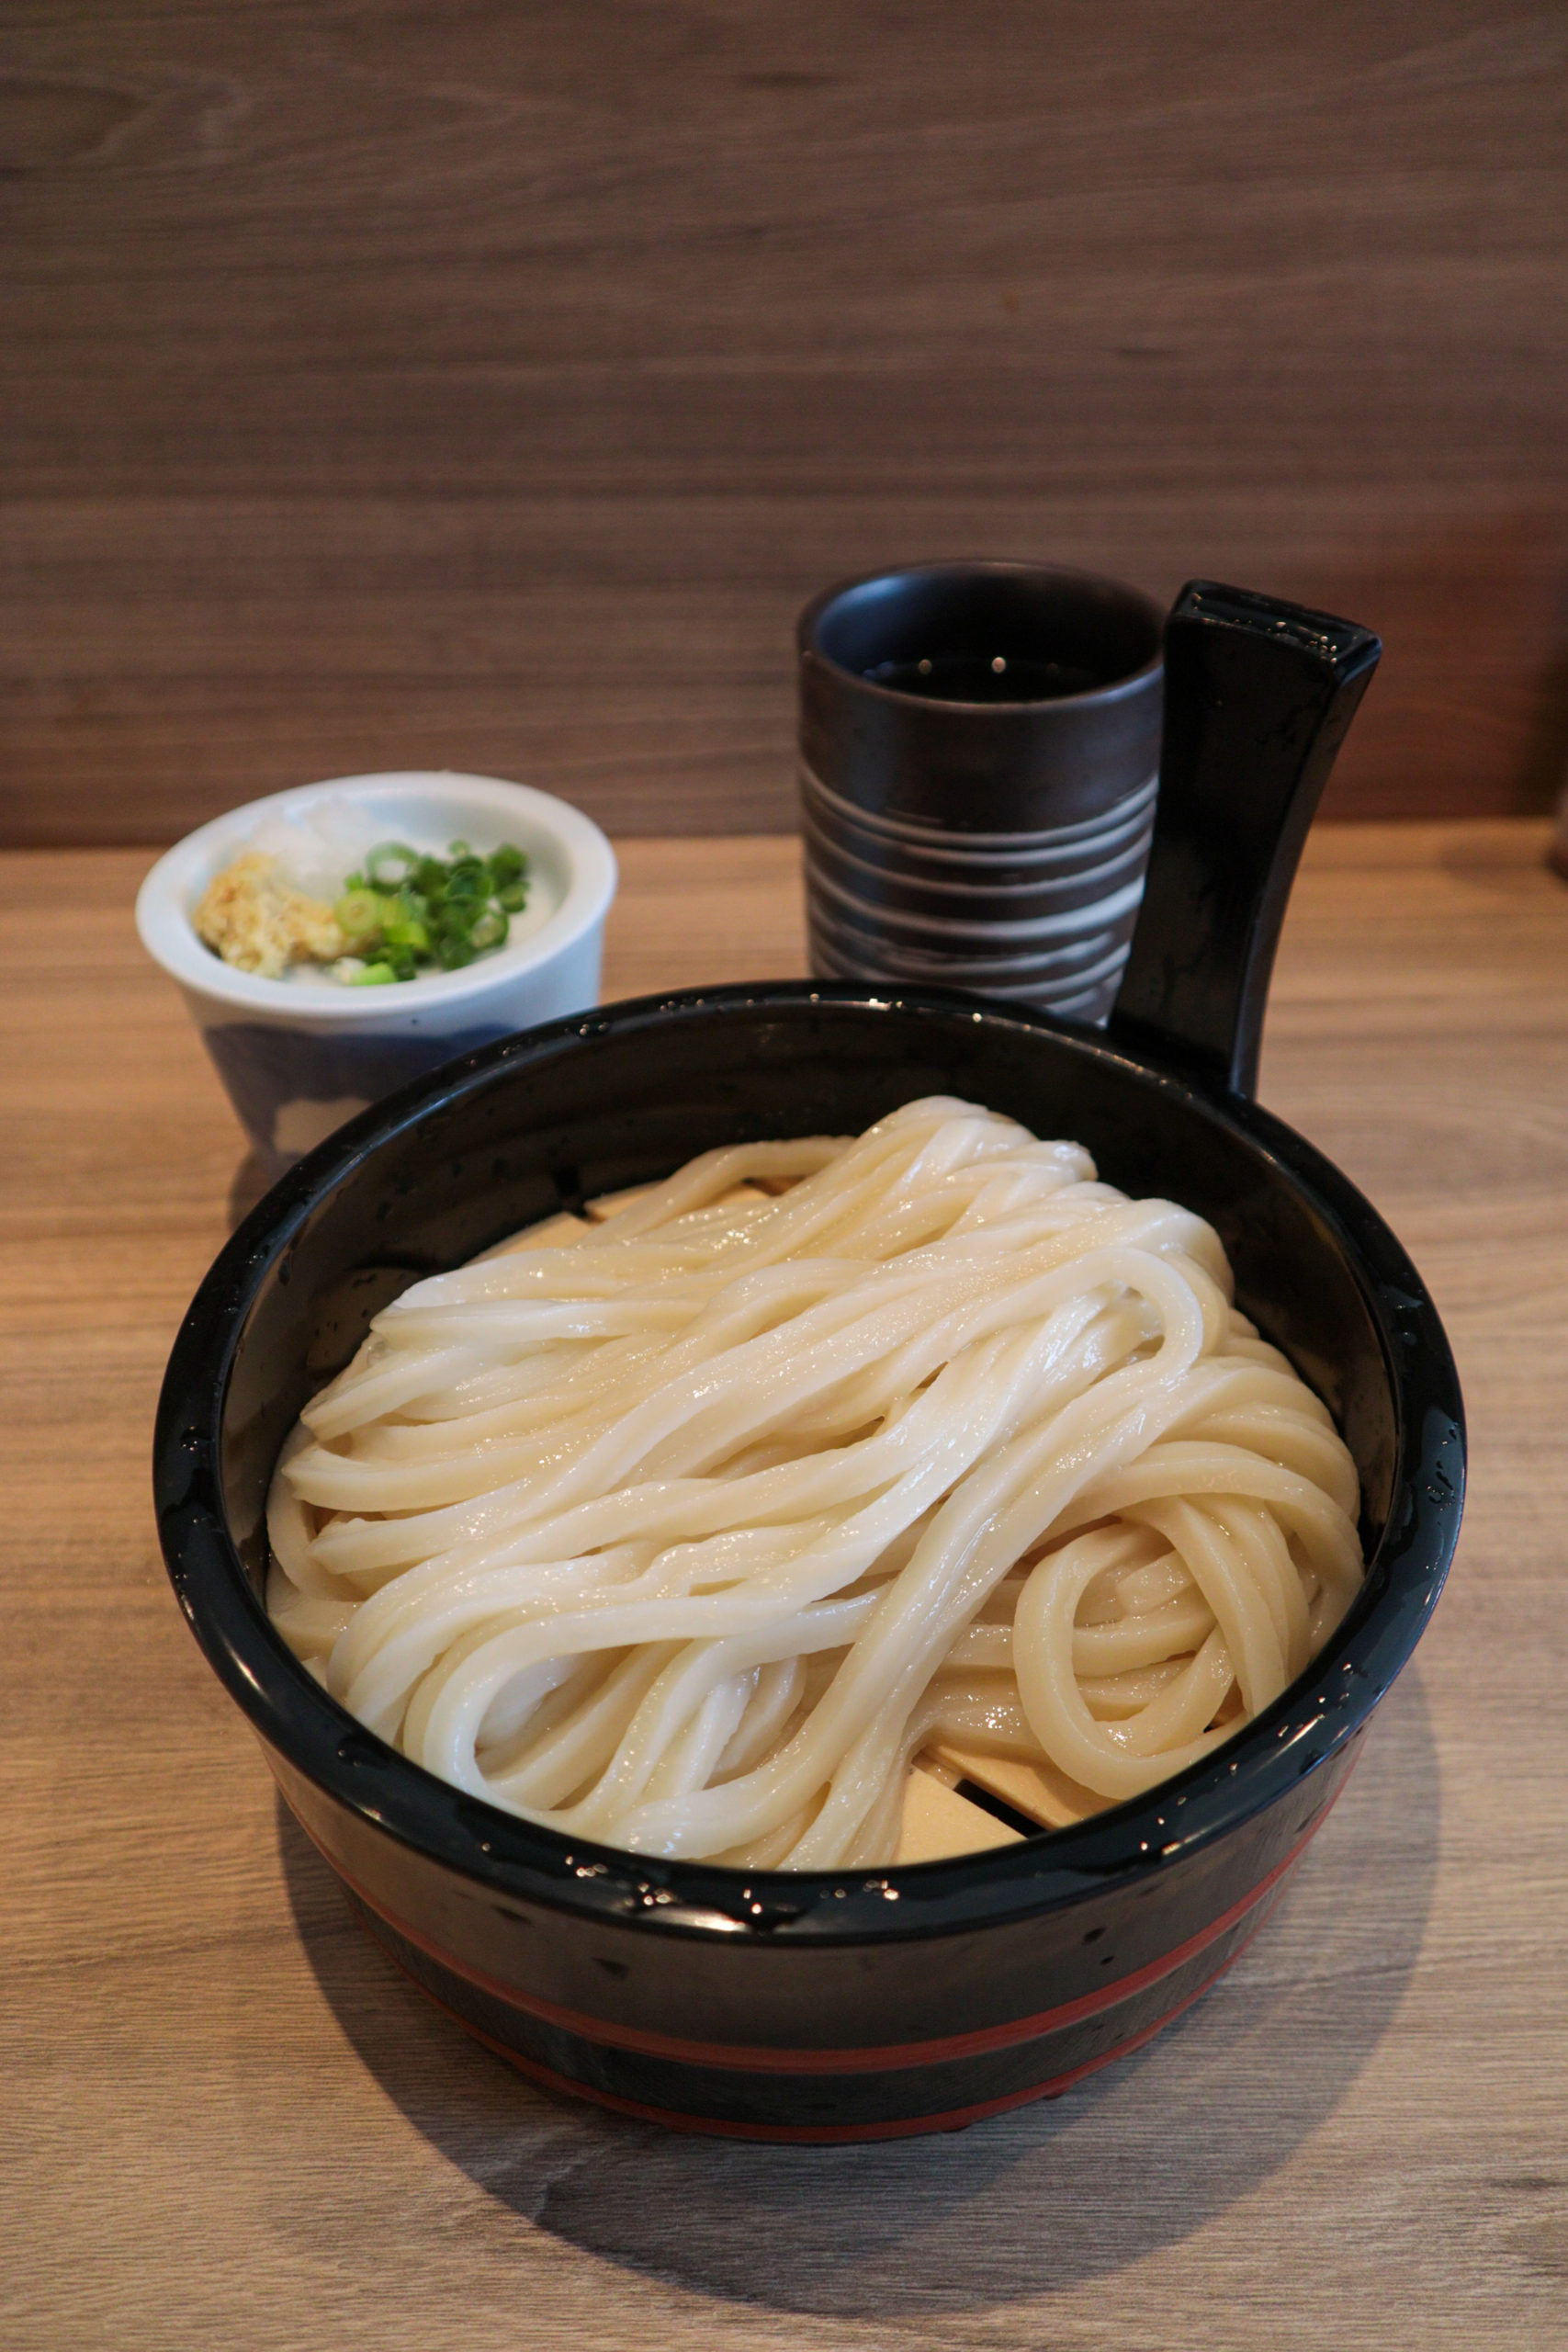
[{"x": 688, "y": 1531}]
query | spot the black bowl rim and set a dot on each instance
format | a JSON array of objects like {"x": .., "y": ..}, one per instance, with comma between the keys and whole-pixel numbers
[{"x": 1311, "y": 1722}]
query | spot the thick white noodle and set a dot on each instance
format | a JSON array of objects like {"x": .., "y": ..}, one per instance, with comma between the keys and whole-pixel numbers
[{"x": 686, "y": 1532}]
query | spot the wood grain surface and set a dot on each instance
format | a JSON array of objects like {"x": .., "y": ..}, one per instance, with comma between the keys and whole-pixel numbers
[
  {"x": 485, "y": 386},
  {"x": 228, "y": 2123}
]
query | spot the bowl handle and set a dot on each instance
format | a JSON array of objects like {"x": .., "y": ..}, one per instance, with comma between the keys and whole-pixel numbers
[{"x": 1257, "y": 696}]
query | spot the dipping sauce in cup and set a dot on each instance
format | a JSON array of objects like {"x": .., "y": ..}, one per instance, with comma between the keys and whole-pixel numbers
[{"x": 979, "y": 755}]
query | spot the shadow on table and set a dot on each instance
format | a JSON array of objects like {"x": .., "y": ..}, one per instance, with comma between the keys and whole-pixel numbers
[
  {"x": 255, "y": 1175},
  {"x": 1044, "y": 2199}
]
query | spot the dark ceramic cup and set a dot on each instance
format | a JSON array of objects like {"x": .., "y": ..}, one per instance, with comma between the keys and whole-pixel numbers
[
  {"x": 856, "y": 2004},
  {"x": 978, "y": 753}
]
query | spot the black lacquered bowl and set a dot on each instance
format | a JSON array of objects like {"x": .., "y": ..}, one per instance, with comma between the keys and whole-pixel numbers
[{"x": 805, "y": 2006}]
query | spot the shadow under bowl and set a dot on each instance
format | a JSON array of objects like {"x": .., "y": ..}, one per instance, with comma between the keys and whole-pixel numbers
[{"x": 779, "y": 2005}]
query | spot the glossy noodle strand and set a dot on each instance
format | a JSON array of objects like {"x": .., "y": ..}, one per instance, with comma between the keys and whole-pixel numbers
[{"x": 689, "y": 1530}]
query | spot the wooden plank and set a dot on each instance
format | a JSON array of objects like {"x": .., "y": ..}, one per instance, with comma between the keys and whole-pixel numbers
[
  {"x": 938, "y": 1823},
  {"x": 1040, "y": 1791},
  {"x": 229, "y": 2121},
  {"x": 397, "y": 386}
]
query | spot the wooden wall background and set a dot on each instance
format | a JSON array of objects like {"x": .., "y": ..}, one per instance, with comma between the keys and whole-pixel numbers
[{"x": 484, "y": 383}]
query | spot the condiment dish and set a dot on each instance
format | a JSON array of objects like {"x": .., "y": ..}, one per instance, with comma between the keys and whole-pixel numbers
[{"x": 302, "y": 1054}]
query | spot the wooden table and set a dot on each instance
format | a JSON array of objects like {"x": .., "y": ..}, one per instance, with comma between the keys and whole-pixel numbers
[{"x": 228, "y": 2123}]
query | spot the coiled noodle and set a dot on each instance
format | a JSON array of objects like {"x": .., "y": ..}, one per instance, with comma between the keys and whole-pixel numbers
[{"x": 688, "y": 1531}]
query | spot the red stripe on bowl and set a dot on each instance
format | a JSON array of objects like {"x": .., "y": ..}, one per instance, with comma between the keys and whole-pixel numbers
[
  {"x": 747, "y": 2058},
  {"x": 954, "y": 2118}
]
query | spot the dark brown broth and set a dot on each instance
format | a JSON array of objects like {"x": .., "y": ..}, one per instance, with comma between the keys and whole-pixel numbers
[{"x": 981, "y": 677}]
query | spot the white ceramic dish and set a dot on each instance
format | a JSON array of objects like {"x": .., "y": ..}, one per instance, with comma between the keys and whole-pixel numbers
[{"x": 298, "y": 1056}]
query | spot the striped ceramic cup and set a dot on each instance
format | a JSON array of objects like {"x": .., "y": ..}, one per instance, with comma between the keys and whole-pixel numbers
[{"x": 979, "y": 753}]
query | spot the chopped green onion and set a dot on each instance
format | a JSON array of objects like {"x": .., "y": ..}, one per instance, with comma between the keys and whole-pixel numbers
[
  {"x": 391, "y": 864},
  {"x": 409, "y": 912},
  {"x": 401, "y": 930},
  {"x": 358, "y": 914}
]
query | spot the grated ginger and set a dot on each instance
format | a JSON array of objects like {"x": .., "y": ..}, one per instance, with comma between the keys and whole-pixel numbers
[{"x": 259, "y": 923}]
